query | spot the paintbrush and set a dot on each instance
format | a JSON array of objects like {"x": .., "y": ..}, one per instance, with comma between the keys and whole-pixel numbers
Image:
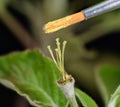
[{"x": 88, "y": 13}]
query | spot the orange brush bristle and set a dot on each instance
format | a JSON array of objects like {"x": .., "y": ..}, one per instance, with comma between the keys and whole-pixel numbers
[{"x": 64, "y": 22}]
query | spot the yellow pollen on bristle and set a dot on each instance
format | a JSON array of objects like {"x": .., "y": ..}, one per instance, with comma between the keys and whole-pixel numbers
[{"x": 64, "y": 22}]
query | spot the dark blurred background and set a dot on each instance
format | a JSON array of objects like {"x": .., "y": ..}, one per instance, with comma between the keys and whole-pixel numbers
[
  {"x": 9, "y": 43},
  {"x": 21, "y": 27}
]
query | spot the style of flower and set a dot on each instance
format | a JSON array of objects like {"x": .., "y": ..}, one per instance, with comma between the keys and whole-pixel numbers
[{"x": 59, "y": 59}]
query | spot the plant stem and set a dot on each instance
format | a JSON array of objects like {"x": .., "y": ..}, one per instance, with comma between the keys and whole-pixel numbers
[
  {"x": 73, "y": 102},
  {"x": 67, "y": 87}
]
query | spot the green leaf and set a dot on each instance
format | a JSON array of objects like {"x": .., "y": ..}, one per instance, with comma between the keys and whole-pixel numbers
[
  {"x": 86, "y": 100},
  {"x": 115, "y": 99},
  {"x": 33, "y": 76},
  {"x": 108, "y": 80}
]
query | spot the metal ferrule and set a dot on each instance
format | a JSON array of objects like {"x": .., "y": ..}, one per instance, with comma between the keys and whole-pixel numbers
[{"x": 101, "y": 8}]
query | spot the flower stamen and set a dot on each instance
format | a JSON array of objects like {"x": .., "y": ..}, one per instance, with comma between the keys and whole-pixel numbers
[
  {"x": 51, "y": 53},
  {"x": 59, "y": 60}
]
